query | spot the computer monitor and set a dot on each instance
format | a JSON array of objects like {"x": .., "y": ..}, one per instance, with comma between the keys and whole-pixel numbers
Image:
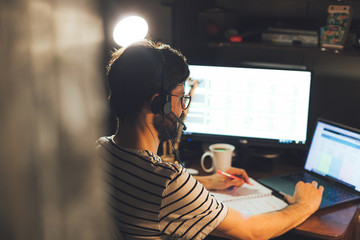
[{"x": 259, "y": 105}]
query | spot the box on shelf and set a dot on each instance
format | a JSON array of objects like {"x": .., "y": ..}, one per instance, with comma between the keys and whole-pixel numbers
[
  {"x": 334, "y": 34},
  {"x": 291, "y": 37}
]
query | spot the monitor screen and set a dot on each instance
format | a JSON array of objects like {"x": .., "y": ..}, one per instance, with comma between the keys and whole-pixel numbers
[{"x": 249, "y": 103}]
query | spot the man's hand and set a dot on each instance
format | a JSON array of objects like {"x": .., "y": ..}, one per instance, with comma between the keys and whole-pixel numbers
[
  {"x": 308, "y": 194},
  {"x": 220, "y": 182}
]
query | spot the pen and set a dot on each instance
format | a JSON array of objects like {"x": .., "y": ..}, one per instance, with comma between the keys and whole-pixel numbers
[{"x": 231, "y": 176}]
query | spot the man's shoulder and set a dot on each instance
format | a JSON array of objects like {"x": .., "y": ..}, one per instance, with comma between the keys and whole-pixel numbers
[
  {"x": 103, "y": 143},
  {"x": 102, "y": 140},
  {"x": 144, "y": 158}
]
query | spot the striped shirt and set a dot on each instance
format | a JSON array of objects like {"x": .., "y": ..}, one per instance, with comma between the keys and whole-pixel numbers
[{"x": 151, "y": 199}]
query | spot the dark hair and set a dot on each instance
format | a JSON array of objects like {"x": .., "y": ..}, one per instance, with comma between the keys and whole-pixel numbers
[{"x": 135, "y": 74}]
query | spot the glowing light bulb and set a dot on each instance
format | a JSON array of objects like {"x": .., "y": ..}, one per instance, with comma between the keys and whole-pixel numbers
[{"x": 130, "y": 30}]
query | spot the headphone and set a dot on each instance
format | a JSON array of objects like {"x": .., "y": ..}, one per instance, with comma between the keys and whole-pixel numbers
[{"x": 161, "y": 104}]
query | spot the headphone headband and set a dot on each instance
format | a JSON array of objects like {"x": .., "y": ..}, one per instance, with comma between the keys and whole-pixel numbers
[{"x": 162, "y": 103}]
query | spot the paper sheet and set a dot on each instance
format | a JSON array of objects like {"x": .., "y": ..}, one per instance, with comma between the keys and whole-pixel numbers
[{"x": 250, "y": 200}]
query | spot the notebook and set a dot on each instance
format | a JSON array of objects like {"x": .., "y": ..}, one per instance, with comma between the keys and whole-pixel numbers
[
  {"x": 250, "y": 199},
  {"x": 333, "y": 160}
]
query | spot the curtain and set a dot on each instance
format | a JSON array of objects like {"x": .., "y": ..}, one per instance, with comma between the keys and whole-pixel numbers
[{"x": 52, "y": 111}]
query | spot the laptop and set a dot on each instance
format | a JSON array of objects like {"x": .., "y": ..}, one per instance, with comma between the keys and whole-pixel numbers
[{"x": 333, "y": 161}]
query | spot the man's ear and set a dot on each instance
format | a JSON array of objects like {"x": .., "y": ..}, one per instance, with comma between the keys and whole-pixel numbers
[{"x": 155, "y": 104}]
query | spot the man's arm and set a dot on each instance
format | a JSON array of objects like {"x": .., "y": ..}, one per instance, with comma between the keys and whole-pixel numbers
[{"x": 306, "y": 201}]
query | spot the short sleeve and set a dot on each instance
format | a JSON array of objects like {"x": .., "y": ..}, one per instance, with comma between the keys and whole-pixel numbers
[{"x": 188, "y": 210}]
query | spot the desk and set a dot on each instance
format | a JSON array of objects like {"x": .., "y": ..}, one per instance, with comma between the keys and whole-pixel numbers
[
  {"x": 332, "y": 223},
  {"x": 340, "y": 222}
]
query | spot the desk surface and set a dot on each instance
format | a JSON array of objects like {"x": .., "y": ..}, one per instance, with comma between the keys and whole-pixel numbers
[{"x": 329, "y": 223}]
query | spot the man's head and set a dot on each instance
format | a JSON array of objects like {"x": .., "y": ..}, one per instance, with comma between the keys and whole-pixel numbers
[{"x": 137, "y": 73}]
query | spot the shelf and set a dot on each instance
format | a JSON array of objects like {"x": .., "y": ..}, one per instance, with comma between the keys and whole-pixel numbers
[
  {"x": 348, "y": 51},
  {"x": 251, "y": 19}
]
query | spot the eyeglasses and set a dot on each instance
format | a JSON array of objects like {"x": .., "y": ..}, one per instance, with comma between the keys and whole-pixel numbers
[{"x": 185, "y": 100}]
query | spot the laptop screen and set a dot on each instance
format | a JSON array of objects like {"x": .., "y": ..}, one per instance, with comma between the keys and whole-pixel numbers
[{"x": 335, "y": 152}]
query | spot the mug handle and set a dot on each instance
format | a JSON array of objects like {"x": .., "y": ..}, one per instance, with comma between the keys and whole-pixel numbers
[{"x": 202, "y": 162}]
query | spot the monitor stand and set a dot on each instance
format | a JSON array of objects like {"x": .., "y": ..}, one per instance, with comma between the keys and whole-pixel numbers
[{"x": 256, "y": 158}]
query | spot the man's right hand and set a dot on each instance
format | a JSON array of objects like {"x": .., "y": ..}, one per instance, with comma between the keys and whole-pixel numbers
[
  {"x": 307, "y": 194},
  {"x": 305, "y": 201}
]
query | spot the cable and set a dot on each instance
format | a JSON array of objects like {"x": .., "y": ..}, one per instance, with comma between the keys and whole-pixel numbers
[{"x": 172, "y": 143}]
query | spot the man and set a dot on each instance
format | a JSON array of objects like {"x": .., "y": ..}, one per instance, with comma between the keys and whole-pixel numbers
[{"x": 151, "y": 199}]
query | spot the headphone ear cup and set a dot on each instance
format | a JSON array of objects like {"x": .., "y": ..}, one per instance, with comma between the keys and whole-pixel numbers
[
  {"x": 156, "y": 105},
  {"x": 167, "y": 107}
]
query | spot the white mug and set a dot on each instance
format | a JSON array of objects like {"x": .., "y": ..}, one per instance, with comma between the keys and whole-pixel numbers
[{"x": 221, "y": 156}]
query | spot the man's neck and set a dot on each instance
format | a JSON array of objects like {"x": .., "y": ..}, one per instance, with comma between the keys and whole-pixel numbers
[{"x": 139, "y": 134}]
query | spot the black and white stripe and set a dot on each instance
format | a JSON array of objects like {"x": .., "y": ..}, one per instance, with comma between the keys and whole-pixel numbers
[{"x": 151, "y": 199}]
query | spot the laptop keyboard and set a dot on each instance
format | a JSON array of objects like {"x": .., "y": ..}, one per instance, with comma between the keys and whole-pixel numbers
[{"x": 331, "y": 193}]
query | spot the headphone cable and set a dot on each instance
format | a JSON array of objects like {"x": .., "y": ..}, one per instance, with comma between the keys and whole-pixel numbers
[{"x": 172, "y": 142}]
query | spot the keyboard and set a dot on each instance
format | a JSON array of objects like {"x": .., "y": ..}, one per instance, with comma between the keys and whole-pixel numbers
[{"x": 331, "y": 192}]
